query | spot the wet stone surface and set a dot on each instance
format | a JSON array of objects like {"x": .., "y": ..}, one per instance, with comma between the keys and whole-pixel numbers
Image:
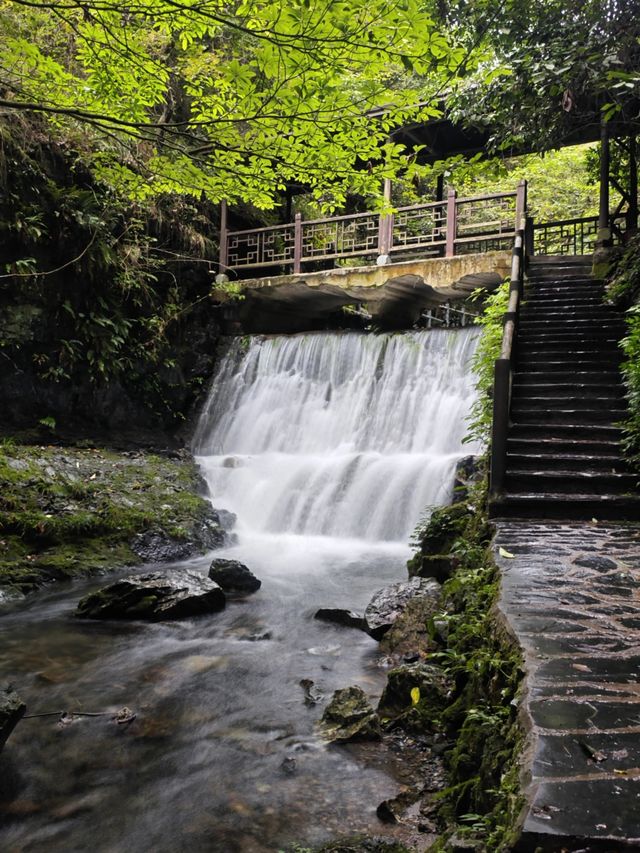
[{"x": 571, "y": 593}]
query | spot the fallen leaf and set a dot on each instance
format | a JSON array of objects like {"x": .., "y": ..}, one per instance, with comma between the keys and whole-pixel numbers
[
  {"x": 415, "y": 695},
  {"x": 504, "y": 553}
]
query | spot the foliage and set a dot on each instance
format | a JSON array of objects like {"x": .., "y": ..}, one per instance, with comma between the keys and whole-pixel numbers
[
  {"x": 228, "y": 98},
  {"x": 548, "y": 70},
  {"x": 561, "y": 184},
  {"x": 487, "y": 351},
  {"x": 623, "y": 289},
  {"x": 94, "y": 289}
]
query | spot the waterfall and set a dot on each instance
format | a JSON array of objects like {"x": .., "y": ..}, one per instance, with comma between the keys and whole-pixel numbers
[{"x": 347, "y": 436}]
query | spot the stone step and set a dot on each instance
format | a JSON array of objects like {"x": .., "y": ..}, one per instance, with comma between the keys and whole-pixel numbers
[
  {"x": 544, "y": 294},
  {"x": 566, "y": 506},
  {"x": 560, "y": 376},
  {"x": 564, "y": 391},
  {"x": 526, "y": 413},
  {"x": 561, "y": 389},
  {"x": 567, "y": 431},
  {"x": 569, "y": 481},
  {"x": 568, "y": 319},
  {"x": 562, "y": 304},
  {"x": 557, "y": 365},
  {"x": 552, "y": 458},
  {"x": 531, "y": 446},
  {"x": 570, "y": 338},
  {"x": 606, "y": 349},
  {"x": 574, "y": 402}
]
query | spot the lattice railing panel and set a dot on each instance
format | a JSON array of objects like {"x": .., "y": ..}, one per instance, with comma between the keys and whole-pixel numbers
[
  {"x": 492, "y": 215},
  {"x": 345, "y": 235},
  {"x": 419, "y": 226},
  {"x": 261, "y": 247}
]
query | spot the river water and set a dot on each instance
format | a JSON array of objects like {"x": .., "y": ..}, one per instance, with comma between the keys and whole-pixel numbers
[{"x": 327, "y": 447}]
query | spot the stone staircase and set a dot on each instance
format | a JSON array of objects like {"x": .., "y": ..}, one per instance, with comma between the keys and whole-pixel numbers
[{"x": 563, "y": 452}]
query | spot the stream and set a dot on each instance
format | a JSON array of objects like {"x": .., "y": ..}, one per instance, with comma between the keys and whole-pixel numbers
[{"x": 328, "y": 448}]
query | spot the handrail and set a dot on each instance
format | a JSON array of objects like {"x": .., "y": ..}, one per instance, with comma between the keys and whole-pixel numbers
[
  {"x": 429, "y": 227},
  {"x": 503, "y": 371}
]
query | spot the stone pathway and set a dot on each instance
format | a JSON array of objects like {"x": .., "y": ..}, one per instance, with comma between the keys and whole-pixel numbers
[{"x": 571, "y": 594}]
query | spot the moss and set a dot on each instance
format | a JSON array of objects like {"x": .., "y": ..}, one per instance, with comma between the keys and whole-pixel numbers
[
  {"x": 74, "y": 511},
  {"x": 481, "y": 659}
]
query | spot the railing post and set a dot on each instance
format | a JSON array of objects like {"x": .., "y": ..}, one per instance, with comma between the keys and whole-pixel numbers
[
  {"x": 529, "y": 241},
  {"x": 450, "y": 246},
  {"x": 297, "y": 243},
  {"x": 222, "y": 249},
  {"x": 500, "y": 427},
  {"x": 385, "y": 227},
  {"x": 604, "y": 224},
  {"x": 521, "y": 205}
]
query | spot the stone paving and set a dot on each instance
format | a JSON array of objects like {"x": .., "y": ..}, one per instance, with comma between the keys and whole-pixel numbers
[{"x": 571, "y": 594}]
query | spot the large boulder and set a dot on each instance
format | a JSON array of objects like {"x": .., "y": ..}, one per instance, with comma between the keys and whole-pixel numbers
[
  {"x": 388, "y": 603},
  {"x": 12, "y": 708},
  {"x": 233, "y": 576},
  {"x": 153, "y": 597},
  {"x": 349, "y": 716}
]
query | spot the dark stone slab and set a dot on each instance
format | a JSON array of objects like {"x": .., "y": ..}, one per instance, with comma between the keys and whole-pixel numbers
[
  {"x": 596, "y": 714},
  {"x": 599, "y": 564},
  {"x": 593, "y": 753},
  {"x": 605, "y": 809}
]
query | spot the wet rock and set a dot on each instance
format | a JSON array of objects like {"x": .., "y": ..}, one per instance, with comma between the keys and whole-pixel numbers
[
  {"x": 155, "y": 546},
  {"x": 388, "y": 603},
  {"x": 347, "y": 618},
  {"x": 311, "y": 696},
  {"x": 410, "y": 635},
  {"x": 392, "y": 810},
  {"x": 12, "y": 709},
  {"x": 467, "y": 473},
  {"x": 440, "y": 567},
  {"x": 434, "y": 688},
  {"x": 154, "y": 597},
  {"x": 208, "y": 532},
  {"x": 349, "y": 716},
  {"x": 233, "y": 576}
]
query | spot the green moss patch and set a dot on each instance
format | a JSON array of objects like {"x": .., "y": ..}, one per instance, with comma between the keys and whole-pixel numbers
[{"x": 74, "y": 511}]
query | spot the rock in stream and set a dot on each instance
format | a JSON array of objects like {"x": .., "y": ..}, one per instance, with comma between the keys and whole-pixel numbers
[{"x": 154, "y": 597}]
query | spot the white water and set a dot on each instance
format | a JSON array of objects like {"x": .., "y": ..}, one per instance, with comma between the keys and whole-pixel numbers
[{"x": 336, "y": 436}]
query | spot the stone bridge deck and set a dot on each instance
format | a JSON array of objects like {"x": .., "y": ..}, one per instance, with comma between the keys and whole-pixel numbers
[
  {"x": 394, "y": 294},
  {"x": 571, "y": 594}
]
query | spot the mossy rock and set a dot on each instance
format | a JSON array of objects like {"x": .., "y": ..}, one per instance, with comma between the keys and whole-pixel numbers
[
  {"x": 434, "y": 690},
  {"x": 444, "y": 526},
  {"x": 349, "y": 716}
]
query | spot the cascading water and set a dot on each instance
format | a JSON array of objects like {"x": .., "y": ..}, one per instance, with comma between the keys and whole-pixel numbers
[
  {"x": 327, "y": 447},
  {"x": 344, "y": 436}
]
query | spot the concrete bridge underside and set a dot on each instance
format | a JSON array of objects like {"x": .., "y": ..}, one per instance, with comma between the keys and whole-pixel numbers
[{"x": 395, "y": 295}]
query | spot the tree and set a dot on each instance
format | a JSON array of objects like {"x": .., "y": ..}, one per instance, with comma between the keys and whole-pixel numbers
[
  {"x": 231, "y": 98},
  {"x": 550, "y": 71}
]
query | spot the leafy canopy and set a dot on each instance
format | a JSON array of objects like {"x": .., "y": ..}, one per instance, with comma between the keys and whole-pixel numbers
[{"x": 233, "y": 98}]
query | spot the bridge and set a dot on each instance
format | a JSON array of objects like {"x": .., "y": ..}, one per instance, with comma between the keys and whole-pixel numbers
[{"x": 394, "y": 268}]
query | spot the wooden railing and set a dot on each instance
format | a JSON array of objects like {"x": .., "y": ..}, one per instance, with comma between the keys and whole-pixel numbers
[
  {"x": 449, "y": 227},
  {"x": 503, "y": 371}
]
